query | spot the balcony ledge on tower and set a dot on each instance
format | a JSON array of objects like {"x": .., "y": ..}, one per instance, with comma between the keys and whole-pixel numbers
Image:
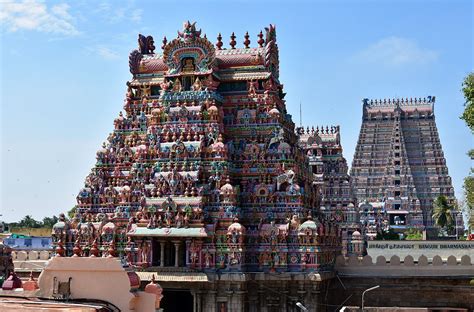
[{"x": 168, "y": 232}]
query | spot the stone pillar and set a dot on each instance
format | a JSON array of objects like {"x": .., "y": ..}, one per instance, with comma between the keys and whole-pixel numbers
[
  {"x": 284, "y": 296},
  {"x": 230, "y": 306},
  {"x": 239, "y": 298},
  {"x": 316, "y": 299},
  {"x": 210, "y": 302},
  {"x": 162, "y": 255},
  {"x": 151, "y": 258},
  {"x": 198, "y": 301},
  {"x": 312, "y": 295},
  {"x": 292, "y": 304},
  {"x": 176, "y": 254},
  {"x": 201, "y": 260},
  {"x": 302, "y": 297},
  {"x": 253, "y": 302},
  {"x": 262, "y": 301},
  {"x": 186, "y": 245}
]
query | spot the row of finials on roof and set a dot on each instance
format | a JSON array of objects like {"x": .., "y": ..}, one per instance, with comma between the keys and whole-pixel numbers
[
  {"x": 146, "y": 44},
  {"x": 322, "y": 130},
  {"x": 429, "y": 99}
]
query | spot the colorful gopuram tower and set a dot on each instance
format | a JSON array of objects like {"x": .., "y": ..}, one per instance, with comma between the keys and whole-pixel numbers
[
  {"x": 323, "y": 148},
  {"x": 202, "y": 182},
  {"x": 399, "y": 167}
]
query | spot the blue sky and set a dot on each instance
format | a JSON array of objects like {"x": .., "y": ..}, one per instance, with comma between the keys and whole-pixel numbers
[{"x": 64, "y": 66}]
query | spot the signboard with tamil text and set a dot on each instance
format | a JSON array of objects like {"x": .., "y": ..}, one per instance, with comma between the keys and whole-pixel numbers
[{"x": 418, "y": 248}]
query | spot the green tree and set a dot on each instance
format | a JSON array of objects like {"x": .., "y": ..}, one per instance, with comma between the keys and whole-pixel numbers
[
  {"x": 71, "y": 213},
  {"x": 469, "y": 191},
  {"x": 468, "y": 90},
  {"x": 468, "y": 117},
  {"x": 387, "y": 235},
  {"x": 29, "y": 222},
  {"x": 469, "y": 185},
  {"x": 443, "y": 213},
  {"x": 49, "y": 222},
  {"x": 413, "y": 234}
]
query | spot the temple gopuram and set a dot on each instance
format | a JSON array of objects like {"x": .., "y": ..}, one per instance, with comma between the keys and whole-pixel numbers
[
  {"x": 330, "y": 175},
  {"x": 399, "y": 167},
  {"x": 203, "y": 186}
]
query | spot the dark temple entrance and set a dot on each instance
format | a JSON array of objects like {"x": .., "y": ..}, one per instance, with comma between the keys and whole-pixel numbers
[{"x": 177, "y": 300}]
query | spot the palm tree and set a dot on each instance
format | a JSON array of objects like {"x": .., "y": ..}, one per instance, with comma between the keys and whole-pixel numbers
[
  {"x": 443, "y": 213},
  {"x": 29, "y": 222},
  {"x": 49, "y": 222}
]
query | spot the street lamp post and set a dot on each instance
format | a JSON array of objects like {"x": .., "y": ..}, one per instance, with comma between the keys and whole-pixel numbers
[{"x": 363, "y": 294}]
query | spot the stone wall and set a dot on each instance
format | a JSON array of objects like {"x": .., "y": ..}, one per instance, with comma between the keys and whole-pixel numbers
[
  {"x": 94, "y": 278},
  {"x": 403, "y": 292},
  {"x": 24, "y": 255},
  {"x": 256, "y": 292},
  {"x": 397, "y": 309},
  {"x": 406, "y": 283},
  {"x": 408, "y": 267},
  {"x": 30, "y": 261}
]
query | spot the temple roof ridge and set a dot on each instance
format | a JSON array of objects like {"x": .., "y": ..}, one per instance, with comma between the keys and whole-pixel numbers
[
  {"x": 236, "y": 51},
  {"x": 394, "y": 102},
  {"x": 189, "y": 34},
  {"x": 208, "y": 55},
  {"x": 320, "y": 130}
]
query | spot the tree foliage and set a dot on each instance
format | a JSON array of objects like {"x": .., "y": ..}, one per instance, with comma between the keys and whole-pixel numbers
[
  {"x": 387, "y": 235},
  {"x": 469, "y": 184},
  {"x": 469, "y": 191},
  {"x": 468, "y": 90},
  {"x": 414, "y": 234},
  {"x": 29, "y": 222},
  {"x": 49, "y": 222},
  {"x": 71, "y": 213},
  {"x": 468, "y": 117},
  {"x": 471, "y": 154},
  {"x": 443, "y": 213}
]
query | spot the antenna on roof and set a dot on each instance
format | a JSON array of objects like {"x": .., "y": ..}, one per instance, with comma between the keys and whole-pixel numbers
[{"x": 301, "y": 120}]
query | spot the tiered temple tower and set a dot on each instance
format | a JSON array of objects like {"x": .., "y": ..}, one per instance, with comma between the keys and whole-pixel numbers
[
  {"x": 202, "y": 180},
  {"x": 330, "y": 176},
  {"x": 399, "y": 166}
]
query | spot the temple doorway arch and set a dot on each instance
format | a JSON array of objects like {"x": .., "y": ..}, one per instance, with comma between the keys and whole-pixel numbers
[{"x": 177, "y": 300}]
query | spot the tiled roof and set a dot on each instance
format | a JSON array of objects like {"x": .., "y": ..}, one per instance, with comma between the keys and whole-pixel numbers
[
  {"x": 224, "y": 58},
  {"x": 240, "y": 51},
  {"x": 243, "y": 75},
  {"x": 148, "y": 80}
]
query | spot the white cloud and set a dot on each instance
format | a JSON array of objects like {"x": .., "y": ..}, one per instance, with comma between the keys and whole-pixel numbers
[
  {"x": 136, "y": 15},
  {"x": 61, "y": 10},
  {"x": 35, "y": 15},
  {"x": 107, "y": 53},
  {"x": 104, "y": 52},
  {"x": 115, "y": 14},
  {"x": 397, "y": 51}
]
